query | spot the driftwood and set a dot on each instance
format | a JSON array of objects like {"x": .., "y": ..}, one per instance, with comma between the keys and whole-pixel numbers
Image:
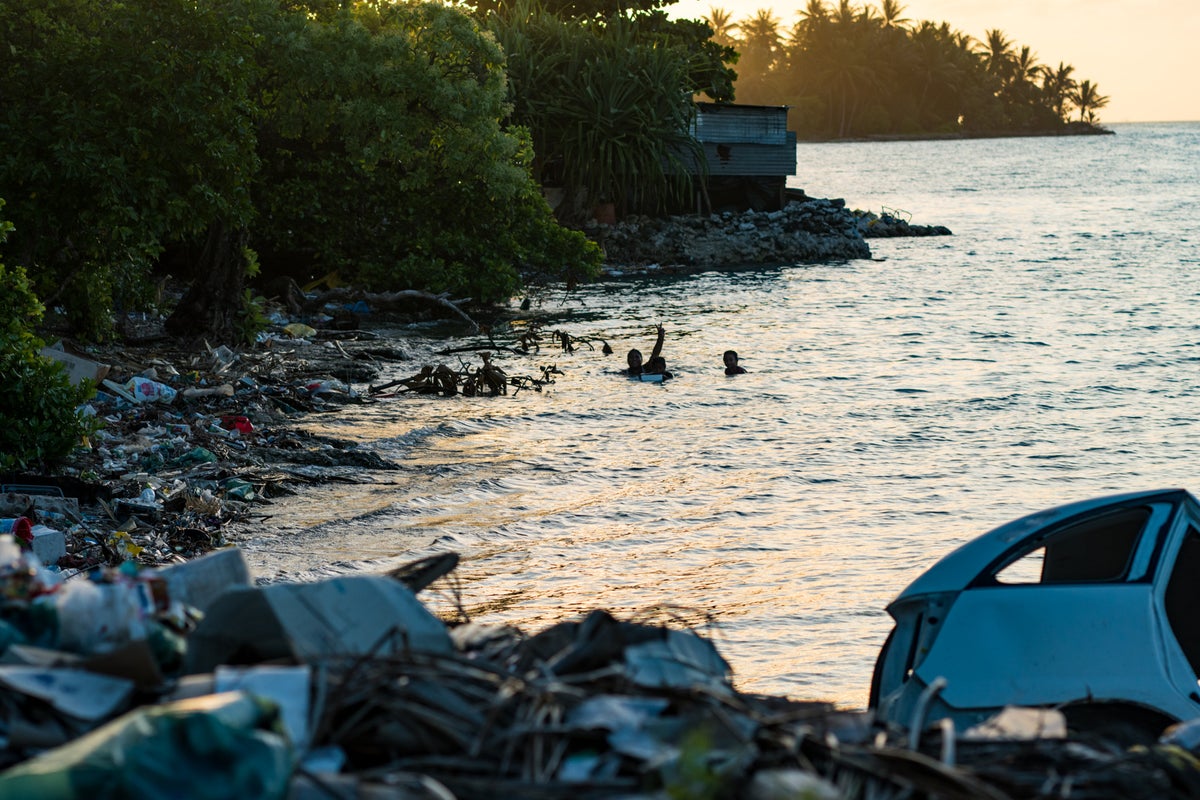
[{"x": 391, "y": 299}]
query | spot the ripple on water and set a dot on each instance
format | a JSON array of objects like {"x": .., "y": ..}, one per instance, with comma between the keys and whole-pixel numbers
[{"x": 893, "y": 410}]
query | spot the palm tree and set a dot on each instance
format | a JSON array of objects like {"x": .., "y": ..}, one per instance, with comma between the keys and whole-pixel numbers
[
  {"x": 1088, "y": 100},
  {"x": 997, "y": 53},
  {"x": 814, "y": 14},
  {"x": 845, "y": 14},
  {"x": 721, "y": 21},
  {"x": 935, "y": 74},
  {"x": 1057, "y": 86},
  {"x": 890, "y": 11},
  {"x": 759, "y": 55},
  {"x": 815, "y": 10},
  {"x": 1025, "y": 69},
  {"x": 762, "y": 28},
  {"x": 760, "y": 36}
]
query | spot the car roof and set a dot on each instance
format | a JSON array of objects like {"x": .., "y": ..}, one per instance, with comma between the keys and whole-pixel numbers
[{"x": 957, "y": 569}]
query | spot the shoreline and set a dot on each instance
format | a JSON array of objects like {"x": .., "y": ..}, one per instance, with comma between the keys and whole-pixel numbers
[
  {"x": 768, "y": 744},
  {"x": 1072, "y": 129}
]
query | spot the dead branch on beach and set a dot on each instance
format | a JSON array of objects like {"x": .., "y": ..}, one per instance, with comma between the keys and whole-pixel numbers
[{"x": 386, "y": 300}]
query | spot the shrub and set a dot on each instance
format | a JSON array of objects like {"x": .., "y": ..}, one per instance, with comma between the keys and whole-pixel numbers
[{"x": 39, "y": 418}]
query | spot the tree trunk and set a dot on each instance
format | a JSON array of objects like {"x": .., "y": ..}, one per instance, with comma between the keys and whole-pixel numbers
[{"x": 214, "y": 304}]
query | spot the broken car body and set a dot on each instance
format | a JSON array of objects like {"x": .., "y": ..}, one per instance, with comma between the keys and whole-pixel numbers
[{"x": 1093, "y": 607}]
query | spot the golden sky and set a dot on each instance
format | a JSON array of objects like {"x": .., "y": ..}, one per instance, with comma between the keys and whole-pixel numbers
[{"x": 1143, "y": 54}]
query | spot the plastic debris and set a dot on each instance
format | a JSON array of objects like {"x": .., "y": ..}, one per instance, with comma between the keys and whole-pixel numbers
[{"x": 218, "y": 746}]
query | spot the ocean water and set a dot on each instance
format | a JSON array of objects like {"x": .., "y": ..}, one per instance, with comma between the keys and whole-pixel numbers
[{"x": 893, "y": 408}]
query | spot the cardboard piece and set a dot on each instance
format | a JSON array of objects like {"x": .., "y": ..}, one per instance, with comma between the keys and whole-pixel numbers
[
  {"x": 132, "y": 662},
  {"x": 78, "y": 368},
  {"x": 303, "y": 622},
  {"x": 30, "y": 656},
  {"x": 76, "y": 693},
  {"x": 200, "y": 581},
  {"x": 17, "y": 503},
  {"x": 287, "y": 687}
]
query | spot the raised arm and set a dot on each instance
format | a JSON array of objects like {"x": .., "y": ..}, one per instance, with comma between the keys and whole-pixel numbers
[{"x": 657, "y": 351}]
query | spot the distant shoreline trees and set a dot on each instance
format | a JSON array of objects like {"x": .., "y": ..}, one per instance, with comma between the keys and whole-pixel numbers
[{"x": 854, "y": 71}]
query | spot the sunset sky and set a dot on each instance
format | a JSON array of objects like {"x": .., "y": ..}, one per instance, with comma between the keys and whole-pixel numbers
[{"x": 1144, "y": 55}]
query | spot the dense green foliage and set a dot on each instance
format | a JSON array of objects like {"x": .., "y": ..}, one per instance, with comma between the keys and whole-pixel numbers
[
  {"x": 39, "y": 420},
  {"x": 123, "y": 126},
  {"x": 608, "y": 100},
  {"x": 365, "y": 137},
  {"x": 384, "y": 157},
  {"x": 855, "y": 71}
]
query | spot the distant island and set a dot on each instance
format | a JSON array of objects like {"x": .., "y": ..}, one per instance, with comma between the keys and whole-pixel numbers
[{"x": 866, "y": 72}]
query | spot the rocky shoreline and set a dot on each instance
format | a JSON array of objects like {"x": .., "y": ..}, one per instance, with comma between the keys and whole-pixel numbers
[{"x": 805, "y": 230}]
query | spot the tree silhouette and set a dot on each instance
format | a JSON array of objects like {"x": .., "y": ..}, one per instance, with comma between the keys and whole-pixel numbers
[
  {"x": 851, "y": 70},
  {"x": 723, "y": 26},
  {"x": 1088, "y": 100}
]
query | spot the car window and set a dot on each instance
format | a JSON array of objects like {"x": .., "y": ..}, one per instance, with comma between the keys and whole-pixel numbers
[
  {"x": 1095, "y": 550},
  {"x": 1182, "y": 597}
]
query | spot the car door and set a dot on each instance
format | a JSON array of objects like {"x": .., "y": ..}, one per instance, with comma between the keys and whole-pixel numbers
[{"x": 1070, "y": 614}]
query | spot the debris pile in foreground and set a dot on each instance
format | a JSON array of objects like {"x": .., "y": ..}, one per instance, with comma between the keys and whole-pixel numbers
[{"x": 189, "y": 681}]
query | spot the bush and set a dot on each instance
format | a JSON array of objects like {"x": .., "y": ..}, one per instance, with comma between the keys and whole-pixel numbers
[{"x": 39, "y": 418}]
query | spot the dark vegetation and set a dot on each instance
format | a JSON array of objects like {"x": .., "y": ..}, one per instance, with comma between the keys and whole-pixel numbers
[
  {"x": 175, "y": 158},
  {"x": 854, "y": 71}
]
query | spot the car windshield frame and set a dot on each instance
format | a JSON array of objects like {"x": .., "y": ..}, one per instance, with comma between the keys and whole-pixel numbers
[{"x": 1139, "y": 566}]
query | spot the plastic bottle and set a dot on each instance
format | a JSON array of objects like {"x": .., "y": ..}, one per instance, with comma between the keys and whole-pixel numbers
[{"x": 20, "y": 527}]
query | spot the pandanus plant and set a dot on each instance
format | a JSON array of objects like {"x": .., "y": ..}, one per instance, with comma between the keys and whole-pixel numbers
[{"x": 609, "y": 110}]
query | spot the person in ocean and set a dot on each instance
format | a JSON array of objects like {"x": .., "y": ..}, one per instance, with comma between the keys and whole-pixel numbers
[
  {"x": 657, "y": 365},
  {"x": 637, "y": 367},
  {"x": 731, "y": 363}
]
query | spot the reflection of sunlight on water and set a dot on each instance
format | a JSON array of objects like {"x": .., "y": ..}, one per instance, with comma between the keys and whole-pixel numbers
[{"x": 893, "y": 410}]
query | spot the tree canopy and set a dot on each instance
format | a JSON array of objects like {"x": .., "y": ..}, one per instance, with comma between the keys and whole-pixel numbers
[
  {"x": 211, "y": 138},
  {"x": 848, "y": 70}
]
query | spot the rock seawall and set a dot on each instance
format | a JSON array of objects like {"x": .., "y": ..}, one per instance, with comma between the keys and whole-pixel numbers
[
  {"x": 807, "y": 230},
  {"x": 812, "y": 230}
]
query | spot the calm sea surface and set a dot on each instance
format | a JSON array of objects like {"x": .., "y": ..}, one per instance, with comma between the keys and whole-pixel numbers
[{"x": 1049, "y": 351}]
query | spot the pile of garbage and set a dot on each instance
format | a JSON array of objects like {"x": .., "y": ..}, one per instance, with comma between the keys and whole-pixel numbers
[
  {"x": 189, "y": 681},
  {"x": 139, "y": 659},
  {"x": 188, "y": 442},
  {"x": 192, "y": 438}
]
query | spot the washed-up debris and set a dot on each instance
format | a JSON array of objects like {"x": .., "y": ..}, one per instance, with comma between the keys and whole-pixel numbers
[
  {"x": 468, "y": 380},
  {"x": 192, "y": 440},
  {"x": 147, "y": 664},
  {"x": 351, "y": 687}
]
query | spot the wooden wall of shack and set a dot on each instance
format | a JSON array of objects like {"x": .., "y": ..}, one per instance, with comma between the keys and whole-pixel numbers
[{"x": 749, "y": 155}]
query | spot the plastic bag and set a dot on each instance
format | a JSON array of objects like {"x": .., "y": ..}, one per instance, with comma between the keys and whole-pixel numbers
[
  {"x": 217, "y": 746},
  {"x": 145, "y": 390}
]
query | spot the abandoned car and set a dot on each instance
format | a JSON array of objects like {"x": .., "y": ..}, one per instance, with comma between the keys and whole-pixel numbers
[{"x": 1091, "y": 607}]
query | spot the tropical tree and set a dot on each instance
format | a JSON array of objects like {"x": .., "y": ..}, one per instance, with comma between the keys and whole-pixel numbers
[
  {"x": 997, "y": 50},
  {"x": 1057, "y": 87},
  {"x": 723, "y": 27},
  {"x": 605, "y": 108},
  {"x": 381, "y": 123},
  {"x": 760, "y": 41},
  {"x": 124, "y": 128},
  {"x": 938, "y": 77},
  {"x": 890, "y": 13},
  {"x": 1088, "y": 100},
  {"x": 814, "y": 14}
]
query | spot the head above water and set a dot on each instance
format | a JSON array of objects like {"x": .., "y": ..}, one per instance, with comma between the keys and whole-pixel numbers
[
  {"x": 731, "y": 358},
  {"x": 634, "y": 358}
]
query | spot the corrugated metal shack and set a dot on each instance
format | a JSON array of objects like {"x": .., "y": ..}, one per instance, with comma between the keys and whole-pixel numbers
[{"x": 749, "y": 152}]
